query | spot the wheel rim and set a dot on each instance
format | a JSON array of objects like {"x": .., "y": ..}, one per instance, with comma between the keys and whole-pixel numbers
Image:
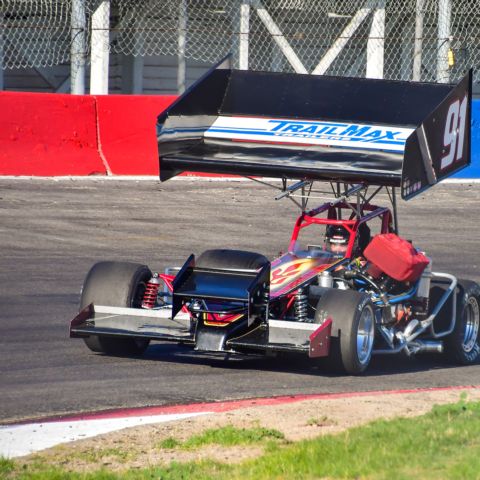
[
  {"x": 471, "y": 324},
  {"x": 365, "y": 334}
]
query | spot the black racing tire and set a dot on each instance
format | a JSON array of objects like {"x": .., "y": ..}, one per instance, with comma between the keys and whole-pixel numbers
[
  {"x": 116, "y": 284},
  {"x": 353, "y": 329},
  {"x": 231, "y": 259},
  {"x": 462, "y": 345}
]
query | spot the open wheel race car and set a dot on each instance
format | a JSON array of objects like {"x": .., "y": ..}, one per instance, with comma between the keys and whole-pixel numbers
[{"x": 352, "y": 289}]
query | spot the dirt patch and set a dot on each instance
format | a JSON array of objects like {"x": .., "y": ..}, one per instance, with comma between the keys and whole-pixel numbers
[{"x": 141, "y": 447}]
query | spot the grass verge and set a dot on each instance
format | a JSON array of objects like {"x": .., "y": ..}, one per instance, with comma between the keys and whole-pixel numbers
[
  {"x": 225, "y": 436},
  {"x": 444, "y": 444}
]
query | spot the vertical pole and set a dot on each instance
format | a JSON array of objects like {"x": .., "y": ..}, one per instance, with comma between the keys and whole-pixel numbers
[
  {"x": 132, "y": 74},
  {"x": 376, "y": 44},
  {"x": 244, "y": 34},
  {"x": 77, "y": 50},
  {"x": 444, "y": 19},
  {"x": 182, "y": 42},
  {"x": 137, "y": 80},
  {"x": 418, "y": 45},
  {"x": 395, "y": 214},
  {"x": 405, "y": 64},
  {"x": 100, "y": 43},
  {"x": 132, "y": 65},
  {"x": 2, "y": 82},
  {"x": 138, "y": 60}
]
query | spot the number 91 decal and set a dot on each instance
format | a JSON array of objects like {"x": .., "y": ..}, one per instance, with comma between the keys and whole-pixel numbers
[{"x": 453, "y": 137}]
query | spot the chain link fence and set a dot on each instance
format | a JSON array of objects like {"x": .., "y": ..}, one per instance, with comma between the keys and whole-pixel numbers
[
  {"x": 398, "y": 39},
  {"x": 34, "y": 33}
]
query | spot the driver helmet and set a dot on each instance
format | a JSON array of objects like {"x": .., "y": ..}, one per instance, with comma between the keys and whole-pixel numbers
[{"x": 336, "y": 239}]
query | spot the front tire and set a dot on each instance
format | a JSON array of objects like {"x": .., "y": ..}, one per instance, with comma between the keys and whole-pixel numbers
[
  {"x": 353, "y": 329},
  {"x": 116, "y": 284},
  {"x": 462, "y": 345}
]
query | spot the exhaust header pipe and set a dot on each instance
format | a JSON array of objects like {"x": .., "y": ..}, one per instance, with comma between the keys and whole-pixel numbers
[{"x": 424, "y": 346}]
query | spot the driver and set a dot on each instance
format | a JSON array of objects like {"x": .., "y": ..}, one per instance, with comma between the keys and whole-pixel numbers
[{"x": 336, "y": 239}]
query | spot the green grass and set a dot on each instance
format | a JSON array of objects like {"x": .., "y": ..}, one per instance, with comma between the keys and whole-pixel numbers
[
  {"x": 98, "y": 454},
  {"x": 225, "y": 436},
  {"x": 170, "y": 442},
  {"x": 444, "y": 444},
  {"x": 230, "y": 436},
  {"x": 6, "y": 466},
  {"x": 319, "y": 422}
]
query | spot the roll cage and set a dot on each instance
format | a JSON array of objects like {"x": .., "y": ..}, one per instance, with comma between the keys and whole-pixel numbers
[{"x": 350, "y": 208}]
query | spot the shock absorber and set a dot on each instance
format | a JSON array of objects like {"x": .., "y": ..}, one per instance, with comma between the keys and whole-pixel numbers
[
  {"x": 151, "y": 292},
  {"x": 301, "y": 305},
  {"x": 266, "y": 301},
  {"x": 266, "y": 297}
]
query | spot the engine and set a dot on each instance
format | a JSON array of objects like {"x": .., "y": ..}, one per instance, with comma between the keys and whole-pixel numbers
[{"x": 396, "y": 275}]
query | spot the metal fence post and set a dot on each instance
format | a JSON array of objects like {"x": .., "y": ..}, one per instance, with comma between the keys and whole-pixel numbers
[
  {"x": 182, "y": 43},
  {"x": 244, "y": 34},
  {"x": 100, "y": 49},
  {"x": 444, "y": 19},
  {"x": 376, "y": 43},
  {"x": 77, "y": 50},
  {"x": 2, "y": 81},
  {"x": 418, "y": 45}
]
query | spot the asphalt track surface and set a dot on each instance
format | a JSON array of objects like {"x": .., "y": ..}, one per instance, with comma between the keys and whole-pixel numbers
[{"x": 52, "y": 231}]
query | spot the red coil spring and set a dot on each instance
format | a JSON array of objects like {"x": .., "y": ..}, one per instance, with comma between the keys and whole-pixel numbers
[{"x": 151, "y": 292}]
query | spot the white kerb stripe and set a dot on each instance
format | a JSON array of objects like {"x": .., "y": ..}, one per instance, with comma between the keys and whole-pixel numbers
[{"x": 20, "y": 440}]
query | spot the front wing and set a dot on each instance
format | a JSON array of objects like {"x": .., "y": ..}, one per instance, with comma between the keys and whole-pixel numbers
[{"x": 272, "y": 336}]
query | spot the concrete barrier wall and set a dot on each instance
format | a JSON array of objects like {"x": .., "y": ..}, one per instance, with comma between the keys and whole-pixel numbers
[
  {"x": 53, "y": 134},
  {"x": 127, "y": 137},
  {"x": 47, "y": 134}
]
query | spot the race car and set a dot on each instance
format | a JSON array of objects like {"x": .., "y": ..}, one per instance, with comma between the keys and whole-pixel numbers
[{"x": 349, "y": 285}]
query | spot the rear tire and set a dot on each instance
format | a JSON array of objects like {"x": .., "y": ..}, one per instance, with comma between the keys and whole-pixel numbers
[
  {"x": 353, "y": 329},
  {"x": 462, "y": 345},
  {"x": 117, "y": 284},
  {"x": 231, "y": 259}
]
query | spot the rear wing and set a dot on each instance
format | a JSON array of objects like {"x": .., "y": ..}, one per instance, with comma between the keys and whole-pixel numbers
[{"x": 353, "y": 130}]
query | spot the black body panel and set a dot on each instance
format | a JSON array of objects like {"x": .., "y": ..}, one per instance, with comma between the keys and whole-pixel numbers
[
  {"x": 329, "y": 164},
  {"x": 428, "y": 144},
  {"x": 226, "y": 291},
  {"x": 290, "y": 95}
]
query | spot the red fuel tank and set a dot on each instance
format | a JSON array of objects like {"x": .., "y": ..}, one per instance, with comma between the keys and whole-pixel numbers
[{"x": 396, "y": 257}]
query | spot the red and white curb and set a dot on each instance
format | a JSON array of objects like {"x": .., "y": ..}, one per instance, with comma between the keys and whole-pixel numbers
[{"x": 28, "y": 437}]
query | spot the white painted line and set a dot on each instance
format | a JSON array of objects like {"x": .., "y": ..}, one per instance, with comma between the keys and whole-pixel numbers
[
  {"x": 19, "y": 440},
  {"x": 461, "y": 180},
  {"x": 155, "y": 178},
  {"x": 127, "y": 178}
]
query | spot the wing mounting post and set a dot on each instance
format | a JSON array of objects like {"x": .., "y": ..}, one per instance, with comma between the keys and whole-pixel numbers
[
  {"x": 351, "y": 191},
  {"x": 287, "y": 191}
]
